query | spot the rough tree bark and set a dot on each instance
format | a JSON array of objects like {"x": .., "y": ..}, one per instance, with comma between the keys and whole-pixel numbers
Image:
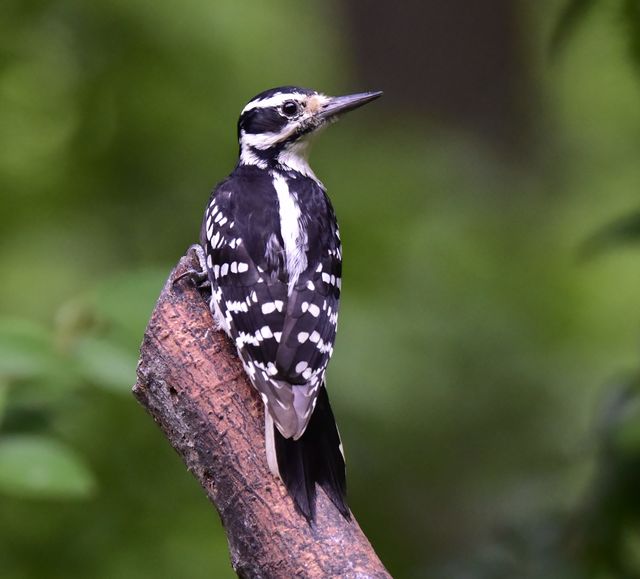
[{"x": 193, "y": 385}]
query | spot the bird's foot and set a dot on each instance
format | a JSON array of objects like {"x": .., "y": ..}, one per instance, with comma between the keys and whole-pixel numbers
[{"x": 200, "y": 277}]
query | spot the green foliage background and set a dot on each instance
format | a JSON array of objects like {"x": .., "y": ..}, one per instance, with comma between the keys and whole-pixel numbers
[{"x": 484, "y": 379}]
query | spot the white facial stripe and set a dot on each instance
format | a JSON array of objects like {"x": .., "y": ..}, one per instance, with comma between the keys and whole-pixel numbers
[
  {"x": 274, "y": 101},
  {"x": 248, "y": 157},
  {"x": 264, "y": 141}
]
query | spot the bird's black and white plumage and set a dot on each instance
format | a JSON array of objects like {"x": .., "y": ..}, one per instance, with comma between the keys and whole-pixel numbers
[{"x": 274, "y": 260}]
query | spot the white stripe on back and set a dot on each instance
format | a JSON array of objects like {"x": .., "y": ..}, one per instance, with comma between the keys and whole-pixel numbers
[{"x": 293, "y": 234}]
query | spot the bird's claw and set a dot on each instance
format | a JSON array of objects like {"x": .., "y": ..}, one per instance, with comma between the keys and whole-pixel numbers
[{"x": 200, "y": 277}]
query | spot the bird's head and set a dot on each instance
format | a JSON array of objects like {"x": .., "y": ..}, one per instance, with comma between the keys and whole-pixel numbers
[{"x": 275, "y": 127}]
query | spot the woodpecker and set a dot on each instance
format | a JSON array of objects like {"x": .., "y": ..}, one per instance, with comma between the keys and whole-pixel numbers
[{"x": 272, "y": 254}]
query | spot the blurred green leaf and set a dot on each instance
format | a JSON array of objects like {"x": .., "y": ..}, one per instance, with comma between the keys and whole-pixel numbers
[
  {"x": 631, "y": 548},
  {"x": 572, "y": 14},
  {"x": 106, "y": 364},
  {"x": 631, "y": 18},
  {"x": 4, "y": 390},
  {"x": 622, "y": 231},
  {"x": 627, "y": 433},
  {"x": 28, "y": 356},
  {"x": 39, "y": 467},
  {"x": 575, "y": 11},
  {"x": 128, "y": 299},
  {"x": 26, "y": 349}
]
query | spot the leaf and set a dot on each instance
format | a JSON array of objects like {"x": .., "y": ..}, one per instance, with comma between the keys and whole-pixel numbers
[
  {"x": 618, "y": 421},
  {"x": 106, "y": 364},
  {"x": 28, "y": 356},
  {"x": 127, "y": 300},
  {"x": 626, "y": 435},
  {"x": 40, "y": 467},
  {"x": 574, "y": 11},
  {"x": 631, "y": 18},
  {"x": 26, "y": 349},
  {"x": 622, "y": 231},
  {"x": 4, "y": 391}
]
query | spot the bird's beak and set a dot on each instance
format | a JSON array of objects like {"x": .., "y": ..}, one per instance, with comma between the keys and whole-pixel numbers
[{"x": 342, "y": 104}]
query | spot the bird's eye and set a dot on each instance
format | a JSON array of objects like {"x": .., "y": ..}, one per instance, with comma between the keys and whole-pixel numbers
[{"x": 290, "y": 108}]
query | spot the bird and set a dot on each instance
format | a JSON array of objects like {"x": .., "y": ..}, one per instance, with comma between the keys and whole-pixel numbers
[{"x": 270, "y": 247}]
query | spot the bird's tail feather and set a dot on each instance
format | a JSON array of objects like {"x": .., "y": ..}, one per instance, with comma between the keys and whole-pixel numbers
[{"x": 316, "y": 457}]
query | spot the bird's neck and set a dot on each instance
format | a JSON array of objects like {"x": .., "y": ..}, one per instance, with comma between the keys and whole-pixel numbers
[
  {"x": 292, "y": 158},
  {"x": 295, "y": 158}
]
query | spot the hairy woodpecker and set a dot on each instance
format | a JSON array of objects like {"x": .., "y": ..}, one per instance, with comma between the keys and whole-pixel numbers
[{"x": 273, "y": 257}]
